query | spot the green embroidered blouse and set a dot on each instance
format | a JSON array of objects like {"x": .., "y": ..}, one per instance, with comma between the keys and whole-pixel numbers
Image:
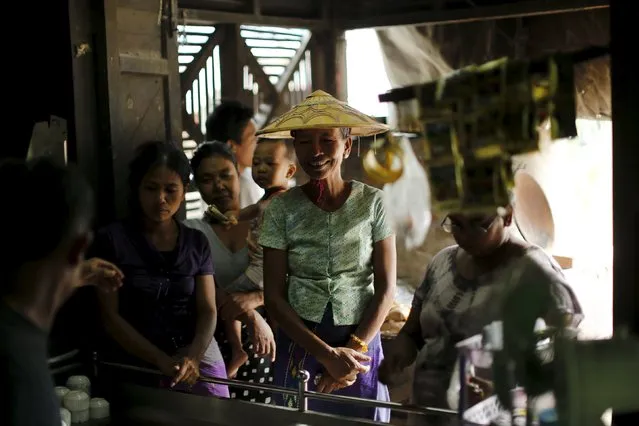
[{"x": 330, "y": 254}]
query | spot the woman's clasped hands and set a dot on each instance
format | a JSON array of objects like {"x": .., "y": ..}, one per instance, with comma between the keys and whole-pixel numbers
[
  {"x": 341, "y": 365},
  {"x": 182, "y": 370}
]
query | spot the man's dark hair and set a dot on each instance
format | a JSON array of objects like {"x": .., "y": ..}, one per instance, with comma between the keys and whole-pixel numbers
[
  {"x": 211, "y": 149},
  {"x": 228, "y": 121},
  {"x": 46, "y": 203},
  {"x": 154, "y": 154}
]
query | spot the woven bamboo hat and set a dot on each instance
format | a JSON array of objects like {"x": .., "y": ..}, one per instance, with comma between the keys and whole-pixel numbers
[{"x": 322, "y": 111}]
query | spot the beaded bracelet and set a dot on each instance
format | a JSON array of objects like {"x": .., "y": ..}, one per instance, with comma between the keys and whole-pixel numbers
[{"x": 363, "y": 347}]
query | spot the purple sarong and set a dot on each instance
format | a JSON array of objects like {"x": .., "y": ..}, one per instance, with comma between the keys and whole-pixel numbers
[
  {"x": 217, "y": 370},
  {"x": 291, "y": 358}
]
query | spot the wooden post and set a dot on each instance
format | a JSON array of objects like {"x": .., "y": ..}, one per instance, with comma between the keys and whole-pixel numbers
[
  {"x": 625, "y": 197},
  {"x": 625, "y": 204},
  {"x": 231, "y": 63},
  {"x": 328, "y": 63},
  {"x": 341, "y": 76},
  {"x": 136, "y": 57},
  {"x": 87, "y": 141},
  {"x": 318, "y": 55}
]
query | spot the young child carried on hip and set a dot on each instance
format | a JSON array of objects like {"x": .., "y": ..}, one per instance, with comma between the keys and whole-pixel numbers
[{"x": 273, "y": 167}]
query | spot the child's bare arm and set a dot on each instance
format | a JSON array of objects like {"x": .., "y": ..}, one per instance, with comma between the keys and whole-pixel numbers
[
  {"x": 251, "y": 212},
  {"x": 233, "y": 331},
  {"x": 238, "y": 354}
]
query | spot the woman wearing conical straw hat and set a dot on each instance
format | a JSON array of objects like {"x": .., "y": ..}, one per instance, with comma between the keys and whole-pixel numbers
[{"x": 329, "y": 262}]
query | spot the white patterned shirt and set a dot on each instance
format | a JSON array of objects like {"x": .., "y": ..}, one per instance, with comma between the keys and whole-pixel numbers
[
  {"x": 453, "y": 308},
  {"x": 250, "y": 192},
  {"x": 330, "y": 254}
]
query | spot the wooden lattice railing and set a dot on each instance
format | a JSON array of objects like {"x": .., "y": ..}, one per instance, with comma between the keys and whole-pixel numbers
[{"x": 276, "y": 74}]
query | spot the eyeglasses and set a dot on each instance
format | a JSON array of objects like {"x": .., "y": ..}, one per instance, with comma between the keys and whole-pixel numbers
[{"x": 450, "y": 226}]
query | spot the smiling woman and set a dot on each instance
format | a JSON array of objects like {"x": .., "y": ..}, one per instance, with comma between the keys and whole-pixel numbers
[{"x": 329, "y": 262}]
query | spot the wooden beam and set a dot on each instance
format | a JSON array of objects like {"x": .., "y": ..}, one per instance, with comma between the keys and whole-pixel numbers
[
  {"x": 625, "y": 199},
  {"x": 109, "y": 119},
  {"x": 232, "y": 63},
  {"x": 286, "y": 76},
  {"x": 139, "y": 65},
  {"x": 324, "y": 61},
  {"x": 191, "y": 128},
  {"x": 193, "y": 69},
  {"x": 172, "y": 82},
  {"x": 259, "y": 74},
  {"x": 84, "y": 130},
  {"x": 293, "y": 65},
  {"x": 341, "y": 72},
  {"x": 326, "y": 13},
  {"x": 266, "y": 113},
  {"x": 473, "y": 14},
  {"x": 280, "y": 35},
  {"x": 210, "y": 17},
  {"x": 318, "y": 61}
]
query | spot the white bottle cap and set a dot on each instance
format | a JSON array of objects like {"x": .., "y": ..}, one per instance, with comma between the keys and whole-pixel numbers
[
  {"x": 60, "y": 392},
  {"x": 81, "y": 383},
  {"x": 99, "y": 408},
  {"x": 76, "y": 401},
  {"x": 65, "y": 415}
]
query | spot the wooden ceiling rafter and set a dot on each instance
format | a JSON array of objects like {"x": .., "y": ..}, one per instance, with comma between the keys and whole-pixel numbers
[
  {"x": 332, "y": 16},
  {"x": 257, "y": 7},
  {"x": 275, "y": 91},
  {"x": 258, "y": 73},
  {"x": 292, "y": 66},
  {"x": 288, "y": 73},
  {"x": 474, "y": 12},
  {"x": 209, "y": 17},
  {"x": 199, "y": 59},
  {"x": 371, "y": 17}
]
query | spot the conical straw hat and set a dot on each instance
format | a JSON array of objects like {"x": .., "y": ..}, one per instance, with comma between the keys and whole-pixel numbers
[{"x": 322, "y": 111}]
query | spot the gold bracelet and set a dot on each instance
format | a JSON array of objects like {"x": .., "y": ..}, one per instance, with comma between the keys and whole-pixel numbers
[{"x": 363, "y": 347}]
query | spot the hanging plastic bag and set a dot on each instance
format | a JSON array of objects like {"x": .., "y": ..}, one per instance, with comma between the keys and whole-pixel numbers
[{"x": 408, "y": 200}]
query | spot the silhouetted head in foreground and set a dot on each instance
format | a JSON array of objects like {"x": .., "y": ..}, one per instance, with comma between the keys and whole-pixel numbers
[{"x": 46, "y": 220}]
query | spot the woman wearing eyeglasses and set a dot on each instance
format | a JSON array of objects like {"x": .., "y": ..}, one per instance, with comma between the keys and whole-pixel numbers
[{"x": 464, "y": 290}]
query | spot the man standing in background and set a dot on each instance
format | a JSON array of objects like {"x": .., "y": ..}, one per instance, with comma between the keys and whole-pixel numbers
[{"x": 232, "y": 122}]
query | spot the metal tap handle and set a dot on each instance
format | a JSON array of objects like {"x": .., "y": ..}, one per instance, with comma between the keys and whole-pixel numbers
[
  {"x": 302, "y": 402},
  {"x": 95, "y": 358}
]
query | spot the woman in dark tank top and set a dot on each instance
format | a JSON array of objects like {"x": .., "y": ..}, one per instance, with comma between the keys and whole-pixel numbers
[{"x": 216, "y": 174}]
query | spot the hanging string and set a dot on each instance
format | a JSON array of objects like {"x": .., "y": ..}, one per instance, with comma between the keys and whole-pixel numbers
[
  {"x": 375, "y": 144},
  {"x": 319, "y": 186},
  {"x": 358, "y": 146}
]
